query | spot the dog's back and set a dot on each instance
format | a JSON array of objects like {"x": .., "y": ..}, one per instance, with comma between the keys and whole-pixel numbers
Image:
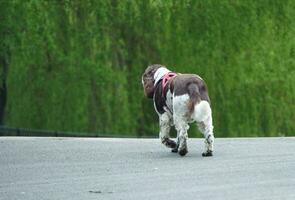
[{"x": 192, "y": 85}]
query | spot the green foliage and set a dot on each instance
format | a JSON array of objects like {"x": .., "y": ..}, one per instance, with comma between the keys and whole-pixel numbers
[{"x": 77, "y": 65}]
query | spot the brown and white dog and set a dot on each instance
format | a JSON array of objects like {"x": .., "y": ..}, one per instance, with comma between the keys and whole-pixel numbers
[{"x": 179, "y": 99}]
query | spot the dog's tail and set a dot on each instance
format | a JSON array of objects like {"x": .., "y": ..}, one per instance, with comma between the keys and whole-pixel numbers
[{"x": 194, "y": 97}]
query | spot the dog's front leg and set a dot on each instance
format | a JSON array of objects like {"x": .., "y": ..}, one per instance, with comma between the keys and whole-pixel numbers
[{"x": 165, "y": 126}]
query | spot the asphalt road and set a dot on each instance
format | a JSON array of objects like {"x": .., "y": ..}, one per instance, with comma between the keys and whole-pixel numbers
[{"x": 98, "y": 168}]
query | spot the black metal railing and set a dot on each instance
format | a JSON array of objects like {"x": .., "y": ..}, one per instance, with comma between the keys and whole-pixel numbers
[{"x": 9, "y": 131}]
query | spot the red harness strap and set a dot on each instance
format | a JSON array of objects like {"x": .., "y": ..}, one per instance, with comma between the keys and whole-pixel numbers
[{"x": 166, "y": 78}]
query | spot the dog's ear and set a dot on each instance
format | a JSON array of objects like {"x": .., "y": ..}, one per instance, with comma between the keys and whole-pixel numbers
[
  {"x": 149, "y": 88},
  {"x": 148, "y": 80},
  {"x": 148, "y": 84}
]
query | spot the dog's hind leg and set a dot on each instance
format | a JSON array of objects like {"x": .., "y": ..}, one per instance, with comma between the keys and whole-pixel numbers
[
  {"x": 205, "y": 127},
  {"x": 165, "y": 126},
  {"x": 203, "y": 116},
  {"x": 182, "y": 136},
  {"x": 180, "y": 119},
  {"x": 175, "y": 150}
]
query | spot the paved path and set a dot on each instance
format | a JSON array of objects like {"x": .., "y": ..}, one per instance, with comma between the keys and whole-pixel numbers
[{"x": 80, "y": 168}]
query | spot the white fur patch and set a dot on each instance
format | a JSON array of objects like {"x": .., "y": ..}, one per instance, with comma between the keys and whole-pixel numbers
[
  {"x": 180, "y": 111},
  {"x": 160, "y": 73},
  {"x": 202, "y": 111},
  {"x": 180, "y": 103}
]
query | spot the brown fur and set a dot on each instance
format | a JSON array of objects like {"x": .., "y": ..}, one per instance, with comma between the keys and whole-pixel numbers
[
  {"x": 148, "y": 80},
  {"x": 194, "y": 95}
]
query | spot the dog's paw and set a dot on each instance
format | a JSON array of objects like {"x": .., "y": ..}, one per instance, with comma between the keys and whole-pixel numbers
[
  {"x": 169, "y": 143},
  {"x": 183, "y": 151},
  {"x": 207, "y": 154},
  {"x": 175, "y": 150}
]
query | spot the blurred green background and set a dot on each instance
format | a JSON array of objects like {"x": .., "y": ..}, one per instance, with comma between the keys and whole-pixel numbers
[{"x": 76, "y": 65}]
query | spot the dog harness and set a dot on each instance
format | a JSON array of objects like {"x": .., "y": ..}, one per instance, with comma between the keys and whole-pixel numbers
[
  {"x": 166, "y": 78},
  {"x": 161, "y": 79}
]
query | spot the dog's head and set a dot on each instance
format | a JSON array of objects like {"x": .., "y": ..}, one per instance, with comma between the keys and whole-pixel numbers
[
  {"x": 148, "y": 80},
  {"x": 150, "y": 77}
]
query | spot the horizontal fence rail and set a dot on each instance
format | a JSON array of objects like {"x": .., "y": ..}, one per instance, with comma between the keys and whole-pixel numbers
[{"x": 9, "y": 131}]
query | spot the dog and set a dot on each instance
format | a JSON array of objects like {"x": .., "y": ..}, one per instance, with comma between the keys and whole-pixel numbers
[{"x": 179, "y": 99}]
